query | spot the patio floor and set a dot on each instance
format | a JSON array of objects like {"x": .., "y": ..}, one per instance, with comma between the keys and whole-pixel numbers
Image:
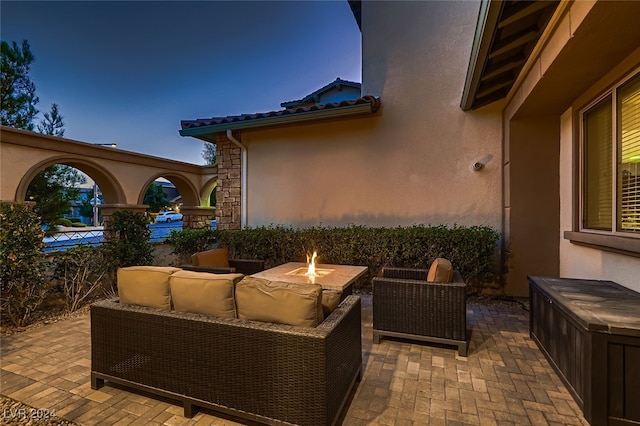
[{"x": 505, "y": 380}]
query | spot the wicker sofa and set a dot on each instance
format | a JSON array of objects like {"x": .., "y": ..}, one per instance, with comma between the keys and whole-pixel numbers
[
  {"x": 406, "y": 305},
  {"x": 262, "y": 371}
]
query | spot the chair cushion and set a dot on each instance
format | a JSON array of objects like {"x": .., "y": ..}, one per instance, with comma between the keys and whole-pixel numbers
[
  {"x": 441, "y": 271},
  {"x": 215, "y": 257},
  {"x": 330, "y": 301},
  {"x": 279, "y": 302},
  {"x": 204, "y": 293},
  {"x": 145, "y": 286}
]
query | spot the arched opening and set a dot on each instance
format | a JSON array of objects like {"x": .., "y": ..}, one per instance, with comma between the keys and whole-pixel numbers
[
  {"x": 178, "y": 188},
  {"x": 85, "y": 185},
  {"x": 208, "y": 193},
  {"x": 183, "y": 203}
]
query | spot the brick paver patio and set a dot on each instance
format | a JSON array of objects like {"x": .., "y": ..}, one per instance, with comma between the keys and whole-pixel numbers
[{"x": 505, "y": 380}]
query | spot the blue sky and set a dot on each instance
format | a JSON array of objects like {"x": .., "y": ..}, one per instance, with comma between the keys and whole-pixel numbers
[{"x": 128, "y": 72}]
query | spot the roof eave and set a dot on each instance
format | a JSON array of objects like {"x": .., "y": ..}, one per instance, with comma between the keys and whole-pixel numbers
[
  {"x": 488, "y": 19},
  {"x": 507, "y": 34},
  {"x": 301, "y": 117}
]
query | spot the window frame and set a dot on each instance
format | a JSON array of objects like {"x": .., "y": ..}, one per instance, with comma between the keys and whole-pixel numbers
[{"x": 612, "y": 92}]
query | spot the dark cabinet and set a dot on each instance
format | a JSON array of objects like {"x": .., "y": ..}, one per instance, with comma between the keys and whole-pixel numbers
[{"x": 590, "y": 332}]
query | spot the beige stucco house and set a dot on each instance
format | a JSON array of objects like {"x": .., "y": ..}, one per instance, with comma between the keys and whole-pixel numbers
[{"x": 515, "y": 115}]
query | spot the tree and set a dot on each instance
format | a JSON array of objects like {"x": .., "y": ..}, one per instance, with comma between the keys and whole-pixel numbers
[
  {"x": 155, "y": 198},
  {"x": 209, "y": 153},
  {"x": 52, "y": 123},
  {"x": 53, "y": 190},
  {"x": 86, "y": 209},
  {"x": 18, "y": 103},
  {"x": 55, "y": 187}
]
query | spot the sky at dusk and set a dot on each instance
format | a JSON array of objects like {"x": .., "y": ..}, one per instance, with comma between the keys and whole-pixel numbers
[{"x": 128, "y": 72}]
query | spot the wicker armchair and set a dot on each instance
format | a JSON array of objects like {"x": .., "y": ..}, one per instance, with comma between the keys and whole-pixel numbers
[
  {"x": 216, "y": 261},
  {"x": 405, "y": 305}
]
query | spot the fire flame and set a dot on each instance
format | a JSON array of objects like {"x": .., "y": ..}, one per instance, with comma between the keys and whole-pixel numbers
[{"x": 311, "y": 264}]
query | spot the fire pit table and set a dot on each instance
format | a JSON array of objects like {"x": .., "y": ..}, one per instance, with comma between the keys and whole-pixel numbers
[{"x": 331, "y": 277}]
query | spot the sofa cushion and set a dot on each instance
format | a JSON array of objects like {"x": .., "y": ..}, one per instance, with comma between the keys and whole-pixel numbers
[
  {"x": 145, "y": 286},
  {"x": 441, "y": 271},
  {"x": 279, "y": 302},
  {"x": 255, "y": 280},
  {"x": 214, "y": 257},
  {"x": 330, "y": 301},
  {"x": 204, "y": 293}
]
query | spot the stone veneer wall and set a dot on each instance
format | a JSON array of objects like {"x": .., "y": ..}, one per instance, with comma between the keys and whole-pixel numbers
[
  {"x": 228, "y": 195},
  {"x": 194, "y": 217}
]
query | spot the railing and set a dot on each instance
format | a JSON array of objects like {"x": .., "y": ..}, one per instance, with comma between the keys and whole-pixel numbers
[{"x": 61, "y": 241}]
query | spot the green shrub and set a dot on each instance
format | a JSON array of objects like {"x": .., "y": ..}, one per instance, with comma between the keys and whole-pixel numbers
[
  {"x": 127, "y": 240},
  {"x": 78, "y": 225},
  {"x": 63, "y": 222},
  {"x": 188, "y": 241},
  {"x": 74, "y": 219},
  {"x": 80, "y": 271},
  {"x": 22, "y": 271},
  {"x": 470, "y": 249}
]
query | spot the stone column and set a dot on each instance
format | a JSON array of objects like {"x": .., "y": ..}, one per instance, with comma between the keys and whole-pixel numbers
[
  {"x": 195, "y": 217},
  {"x": 228, "y": 195}
]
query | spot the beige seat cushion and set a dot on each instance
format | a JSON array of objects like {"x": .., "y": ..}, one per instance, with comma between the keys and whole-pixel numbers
[
  {"x": 441, "y": 271},
  {"x": 145, "y": 286},
  {"x": 204, "y": 293},
  {"x": 216, "y": 257},
  {"x": 330, "y": 301},
  {"x": 279, "y": 302}
]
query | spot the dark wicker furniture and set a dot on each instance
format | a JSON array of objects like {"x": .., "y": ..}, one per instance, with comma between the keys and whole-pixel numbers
[
  {"x": 241, "y": 266},
  {"x": 265, "y": 372},
  {"x": 405, "y": 305}
]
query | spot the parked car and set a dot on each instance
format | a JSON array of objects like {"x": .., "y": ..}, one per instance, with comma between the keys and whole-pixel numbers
[{"x": 169, "y": 216}]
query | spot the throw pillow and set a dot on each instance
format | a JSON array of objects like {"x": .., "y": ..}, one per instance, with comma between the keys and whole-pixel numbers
[
  {"x": 279, "y": 302},
  {"x": 441, "y": 271},
  {"x": 145, "y": 286},
  {"x": 214, "y": 257},
  {"x": 204, "y": 293},
  {"x": 330, "y": 301}
]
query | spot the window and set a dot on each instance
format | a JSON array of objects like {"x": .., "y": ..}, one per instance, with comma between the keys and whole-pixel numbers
[{"x": 611, "y": 161}]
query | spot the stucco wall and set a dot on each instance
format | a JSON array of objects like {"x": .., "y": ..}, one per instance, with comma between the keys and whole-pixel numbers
[
  {"x": 562, "y": 73},
  {"x": 532, "y": 205},
  {"x": 579, "y": 261},
  {"x": 411, "y": 162},
  {"x": 122, "y": 176}
]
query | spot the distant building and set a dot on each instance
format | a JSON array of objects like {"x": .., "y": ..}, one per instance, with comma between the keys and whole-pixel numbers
[
  {"x": 171, "y": 191},
  {"x": 86, "y": 195},
  {"x": 336, "y": 91}
]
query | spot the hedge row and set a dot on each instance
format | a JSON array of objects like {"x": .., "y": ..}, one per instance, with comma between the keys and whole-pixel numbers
[
  {"x": 472, "y": 250},
  {"x": 69, "y": 223}
]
